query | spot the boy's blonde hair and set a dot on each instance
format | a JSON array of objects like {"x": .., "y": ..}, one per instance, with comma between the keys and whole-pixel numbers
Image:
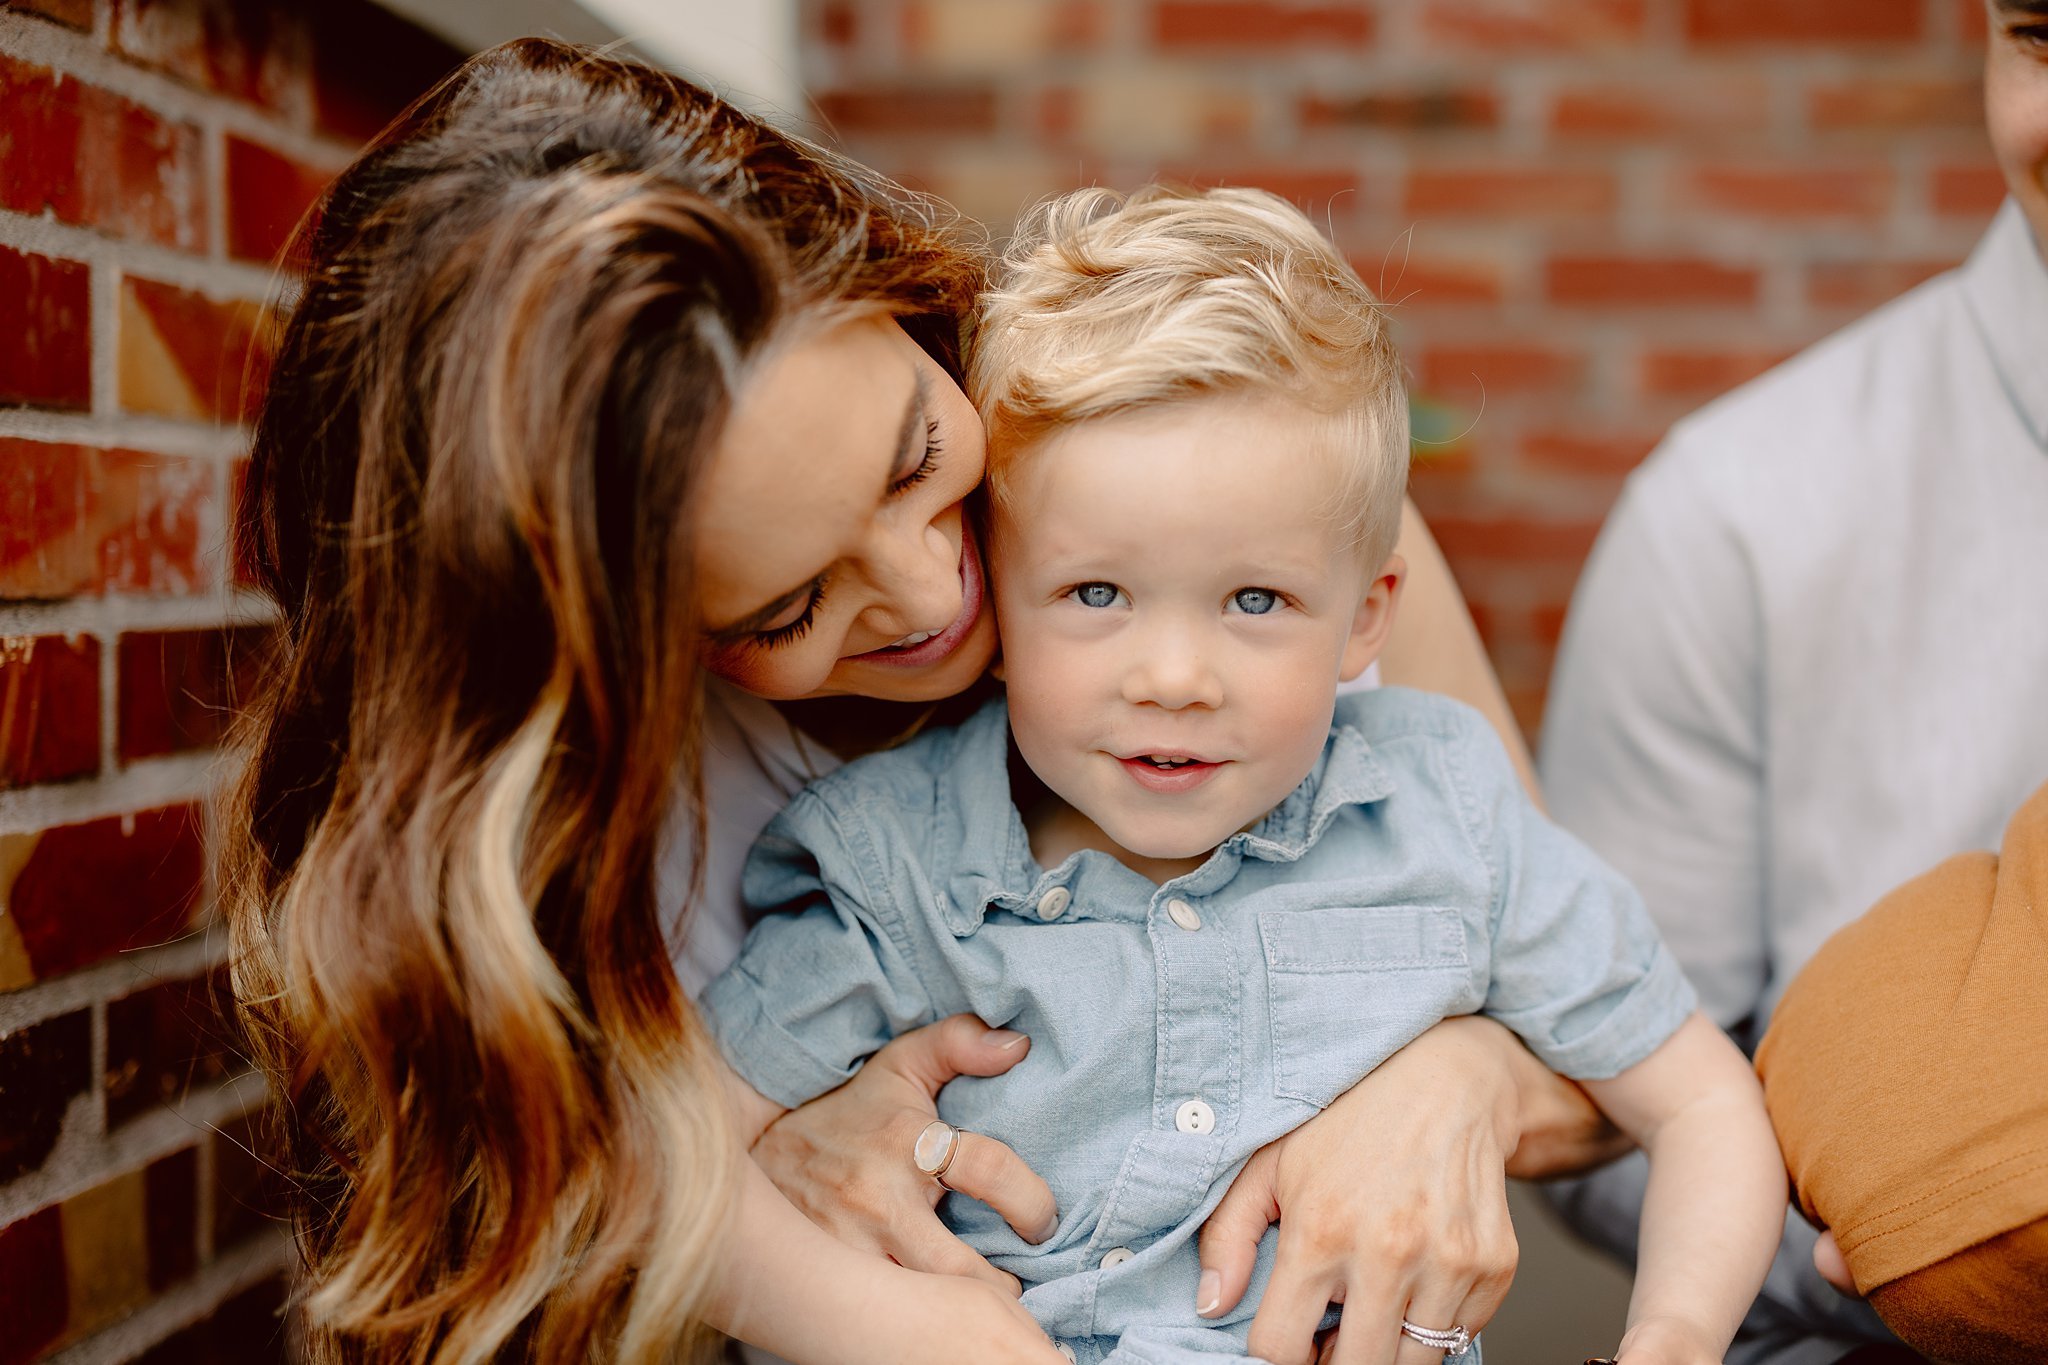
[{"x": 1107, "y": 303}]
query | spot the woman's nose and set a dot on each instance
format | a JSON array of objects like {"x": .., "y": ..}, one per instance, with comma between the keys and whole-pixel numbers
[
  {"x": 916, "y": 578},
  {"x": 1170, "y": 669}
]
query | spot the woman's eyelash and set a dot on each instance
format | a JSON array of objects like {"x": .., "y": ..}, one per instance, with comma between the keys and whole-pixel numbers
[
  {"x": 795, "y": 630},
  {"x": 933, "y": 448}
]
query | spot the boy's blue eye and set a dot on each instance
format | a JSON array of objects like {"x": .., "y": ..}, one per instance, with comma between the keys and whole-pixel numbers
[
  {"x": 1255, "y": 601},
  {"x": 1097, "y": 594}
]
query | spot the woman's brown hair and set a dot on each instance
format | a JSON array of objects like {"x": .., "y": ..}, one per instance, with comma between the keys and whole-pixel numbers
[{"x": 525, "y": 311}]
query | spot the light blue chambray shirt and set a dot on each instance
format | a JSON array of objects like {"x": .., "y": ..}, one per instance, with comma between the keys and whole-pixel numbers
[{"x": 1176, "y": 1029}]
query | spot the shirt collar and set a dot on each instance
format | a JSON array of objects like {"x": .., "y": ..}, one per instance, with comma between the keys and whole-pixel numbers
[
  {"x": 993, "y": 865},
  {"x": 2006, "y": 284}
]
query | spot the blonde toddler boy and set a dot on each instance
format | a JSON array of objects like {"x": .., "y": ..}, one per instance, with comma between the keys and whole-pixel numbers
[{"x": 1214, "y": 893}]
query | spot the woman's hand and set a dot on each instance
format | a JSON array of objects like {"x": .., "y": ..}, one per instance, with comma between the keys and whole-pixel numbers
[
  {"x": 1392, "y": 1201},
  {"x": 844, "y": 1158}
]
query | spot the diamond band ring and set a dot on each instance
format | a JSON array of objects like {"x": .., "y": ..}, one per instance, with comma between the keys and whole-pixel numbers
[{"x": 1451, "y": 1342}]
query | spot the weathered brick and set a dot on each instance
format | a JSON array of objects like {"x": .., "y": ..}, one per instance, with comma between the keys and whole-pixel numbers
[
  {"x": 1171, "y": 114},
  {"x": 1509, "y": 191},
  {"x": 1309, "y": 187},
  {"x": 267, "y": 194},
  {"x": 43, "y": 1067},
  {"x": 1578, "y": 450},
  {"x": 248, "y": 1329},
  {"x": 1791, "y": 193},
  {"x": 1411, "y": 279},
  {"x": 34, "y": 1300},
  {"x": 45, "y": 329},
  {"x": 838, "y": 22},
  {"x": 1803, "y": 22},
  {"x": 1514, "y": 538},
  {"x": 180, "y": 689},
  {"x": 75, "y": 521},
  {"x": 1899, "y": 104},
  {"x": 1649, "y": 282},
  {"x": 1431, "y": 109},
  {"x": 49, "y": 708},
  {"x": 1970, "y": 190},
  {"x": 96, "y": 160},
  {"x": 164, "y": 1041},
  {"x": 1696, "y": 107},
  {"x": 1499, "y": 368},
  {"x": 952, "y": 36},
  {"x": 82, "y": 893},
  {"x": 1251, "y": 25},
  {"x": 248, "y": 1193},
  {"x": 1859, "y": 286},
  {"x": 244, "y": 49},
  {"x": 1700, "y": 372},
  {"x": 1518, "y": 26},
  {"x": 185, "y": 355},
  {"x": 910, "y": 108},
  {"x": 106, "y": 1252},
  {"x": 171, "y": 1211}
]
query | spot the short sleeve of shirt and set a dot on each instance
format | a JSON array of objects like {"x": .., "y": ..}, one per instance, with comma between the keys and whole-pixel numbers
[
  {"x": 1578, "y": 969},
  {"x": 827, "y": 976}
]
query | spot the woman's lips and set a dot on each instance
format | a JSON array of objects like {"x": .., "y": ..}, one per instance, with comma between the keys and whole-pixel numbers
[
  {"x": 928, "y": 652},
  {"x": 1185, "y": 777}
]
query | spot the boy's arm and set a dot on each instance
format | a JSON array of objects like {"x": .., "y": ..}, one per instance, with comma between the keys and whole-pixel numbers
[{"x": 1716, "y": 1201}]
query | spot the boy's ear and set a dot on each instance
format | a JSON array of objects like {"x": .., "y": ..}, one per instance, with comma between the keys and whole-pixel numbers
[{"x": 1374, "y": 620}]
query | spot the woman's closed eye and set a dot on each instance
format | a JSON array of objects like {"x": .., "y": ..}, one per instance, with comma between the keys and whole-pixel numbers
[
  {"x": 788, "y": 633},
  {"x": 933, "y": 449}
]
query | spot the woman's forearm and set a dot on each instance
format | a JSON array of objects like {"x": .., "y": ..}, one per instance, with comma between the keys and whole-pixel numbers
[{"x": 787, "y": 1286}]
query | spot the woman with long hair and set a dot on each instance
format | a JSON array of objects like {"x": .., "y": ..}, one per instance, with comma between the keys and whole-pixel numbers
[{"x": 607, "y": 419}]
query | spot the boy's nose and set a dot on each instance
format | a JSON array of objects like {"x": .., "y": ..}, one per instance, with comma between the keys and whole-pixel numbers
[{"x": 1170, "y": 671}]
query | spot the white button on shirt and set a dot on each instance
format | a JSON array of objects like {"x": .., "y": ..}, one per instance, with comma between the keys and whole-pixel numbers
[
  {"x": 1116, "y": 1257},
  {"x": 1054, "y": 903},
  {"x": 1195, "y": 1117},
  {"x": 1183, "y": 914}
]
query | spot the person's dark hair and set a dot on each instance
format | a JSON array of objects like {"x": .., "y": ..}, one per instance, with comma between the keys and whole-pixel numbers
[{"x": 526, "y": 308}]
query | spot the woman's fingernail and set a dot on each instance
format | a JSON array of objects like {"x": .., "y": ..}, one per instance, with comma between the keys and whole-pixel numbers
[
  {"x": 1208, "y": 1293},
  {"x": 1002, "y": 1039},
  {"x": 1052, "y": 1225}
]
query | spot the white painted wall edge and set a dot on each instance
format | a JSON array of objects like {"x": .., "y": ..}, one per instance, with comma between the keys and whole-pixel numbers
[{"x": 744, "y": 49}]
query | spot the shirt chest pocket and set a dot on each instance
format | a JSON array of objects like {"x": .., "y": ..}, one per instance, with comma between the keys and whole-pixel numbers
[{"x": 1347, "y": 987}]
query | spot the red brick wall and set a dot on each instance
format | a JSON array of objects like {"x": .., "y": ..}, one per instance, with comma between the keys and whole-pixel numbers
[
  {"x": 1594, "y": 215},
  {"x": 153, "y": 156}
]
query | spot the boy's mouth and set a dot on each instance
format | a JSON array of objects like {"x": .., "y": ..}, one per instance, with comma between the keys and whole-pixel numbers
[{"x": 1169, "y": 772}]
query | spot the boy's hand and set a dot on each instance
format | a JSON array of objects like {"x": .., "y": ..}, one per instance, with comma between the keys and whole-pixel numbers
[{"x": 844, "y": 1158}]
